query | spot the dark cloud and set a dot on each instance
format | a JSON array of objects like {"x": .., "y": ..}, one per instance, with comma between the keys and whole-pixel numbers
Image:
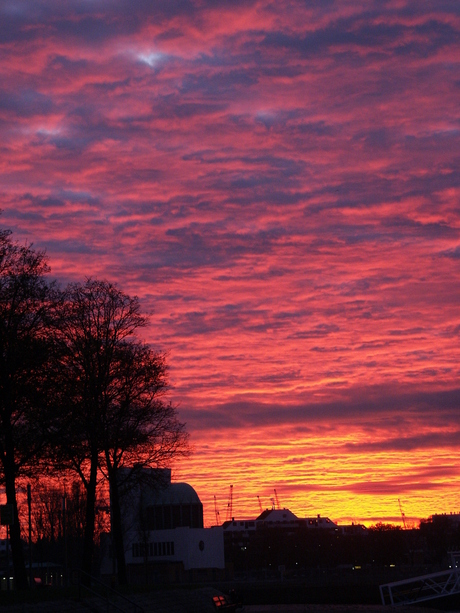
[
  {"x": 26, "y": 103},
  {"x": 170, "y": 108},
  {"x": 385, "y": 488},
  {"x": 361, "y": 406},
  {"x": 452, "y": 253},
  {"x": 408, "y": 443},
  {"x": 366, "y": 32},
  {"x": 223, "y": 83},
  {"x": 317, "y": 332}
]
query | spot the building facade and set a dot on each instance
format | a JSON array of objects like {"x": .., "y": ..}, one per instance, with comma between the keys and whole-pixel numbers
[{"x": 163, "y": 531}]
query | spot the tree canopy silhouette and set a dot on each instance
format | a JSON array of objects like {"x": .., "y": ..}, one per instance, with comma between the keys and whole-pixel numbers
[
  {"x": 113, "y": 413},
  {"x": 25, "y": 298},
  {"x": 79, "y": 391}
]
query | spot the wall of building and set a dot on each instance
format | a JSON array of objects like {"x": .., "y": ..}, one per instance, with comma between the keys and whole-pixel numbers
[{"x": 193, "y": 547}]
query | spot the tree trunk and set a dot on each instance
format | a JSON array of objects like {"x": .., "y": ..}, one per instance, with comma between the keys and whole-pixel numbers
[
  {"x": 17, "y": 554},
  {"x": 88, "y": 543},
  {"x": 117, "y": 528}
]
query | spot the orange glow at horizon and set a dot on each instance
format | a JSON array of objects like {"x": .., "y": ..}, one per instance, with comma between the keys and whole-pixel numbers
[{"x": 321, "y": 475}]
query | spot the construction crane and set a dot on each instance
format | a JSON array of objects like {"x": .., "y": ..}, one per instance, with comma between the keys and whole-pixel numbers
[
  {"x": 260, "y": 504},
  {"x": 216, "y": 511},
  {"x": 403, "y": 517},
  {"x": 230, "y": 505},
  {"x": 277, "y": 501}
]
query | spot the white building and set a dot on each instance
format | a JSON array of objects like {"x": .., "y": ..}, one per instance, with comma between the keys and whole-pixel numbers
[
  {"x": 163, "y": 530},
  {"x": 194, "y": 548}
]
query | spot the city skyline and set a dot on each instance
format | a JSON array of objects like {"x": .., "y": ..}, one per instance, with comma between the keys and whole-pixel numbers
[{"x": 279, "y": 184}]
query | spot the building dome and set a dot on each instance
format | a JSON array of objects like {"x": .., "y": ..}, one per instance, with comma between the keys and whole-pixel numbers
[
  {"x": 175, "y": 505},
  {"x": 177, "y": 493}
]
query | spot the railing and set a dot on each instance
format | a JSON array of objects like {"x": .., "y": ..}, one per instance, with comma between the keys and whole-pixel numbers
[
  {"x": 424, "y": 587},
  {"x": 112, "y": 599}
]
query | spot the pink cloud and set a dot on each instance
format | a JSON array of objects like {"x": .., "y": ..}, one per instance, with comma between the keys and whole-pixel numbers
[{"x": 279, "y": 185}]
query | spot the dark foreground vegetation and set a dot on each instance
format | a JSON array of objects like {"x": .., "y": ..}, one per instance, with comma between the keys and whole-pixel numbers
[{"x": 81, "y": 396}]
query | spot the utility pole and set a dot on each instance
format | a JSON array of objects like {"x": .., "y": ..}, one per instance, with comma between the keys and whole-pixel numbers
[
  {"x": 7, "y": 519},
  {"x": 29, "y": 506},
  {"x": 64, "y": 534},
  {"x": 230, "y": 505},
  {"x": 216, "y": 511},
  {"x": 8, "y": 557}
]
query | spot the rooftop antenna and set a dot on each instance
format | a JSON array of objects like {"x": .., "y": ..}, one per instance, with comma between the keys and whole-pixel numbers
[{"x": 277, "y": 501}]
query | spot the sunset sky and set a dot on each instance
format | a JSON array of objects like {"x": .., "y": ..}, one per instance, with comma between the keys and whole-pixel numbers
[{"x": 278, "y": 182}]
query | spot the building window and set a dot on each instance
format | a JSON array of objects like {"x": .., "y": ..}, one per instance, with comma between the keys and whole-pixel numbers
[
  {"x": 162, "y": 517},
  {"x": 142, "y": 550}
]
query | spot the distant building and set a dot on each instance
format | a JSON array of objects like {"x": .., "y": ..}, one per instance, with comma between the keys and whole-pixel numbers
[
  {"x": 278, "y": 539},
  {"x": 164, "y": 534},
  {"x": 279, "y": 518},
  {"x": 353, "y": 529},
  {"x": 452, "y": 519}
]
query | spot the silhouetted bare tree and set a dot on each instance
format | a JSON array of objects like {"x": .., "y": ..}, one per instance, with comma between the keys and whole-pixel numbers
[
  {"x": 111, "y": 387},
  {"x": 58, "y": 520},
  {"x": 24, "y": 350},
  {"x": 141, "y": 430},
  {"x": 47, "y": 512}
]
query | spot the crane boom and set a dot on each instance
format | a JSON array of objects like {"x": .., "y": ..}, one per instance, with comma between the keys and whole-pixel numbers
[
  {"x": 216, "y": 511},
  {"x": 403, "y": 517},
  {"x": 230, "y": 505},
  {"x": 260, "y": 504}
]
